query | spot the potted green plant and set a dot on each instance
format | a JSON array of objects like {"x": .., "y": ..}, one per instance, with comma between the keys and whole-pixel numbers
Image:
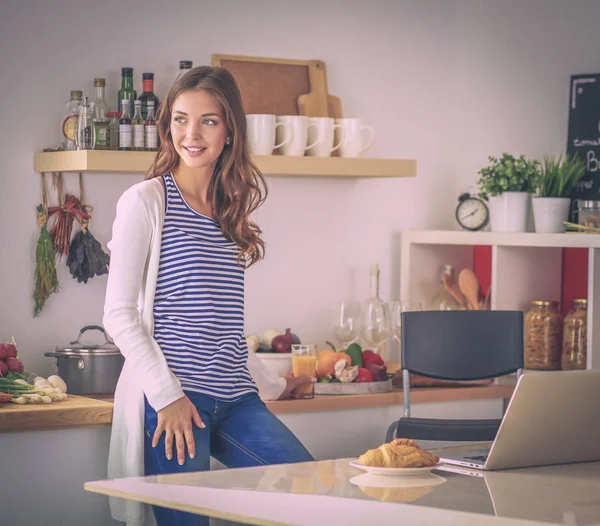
[
  {"x": 554, "y": 183},
  {"x": 506, "y": 183}
]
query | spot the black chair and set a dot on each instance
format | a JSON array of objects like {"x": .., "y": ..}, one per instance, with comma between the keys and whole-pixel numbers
[{"x": 457, "y": 345}]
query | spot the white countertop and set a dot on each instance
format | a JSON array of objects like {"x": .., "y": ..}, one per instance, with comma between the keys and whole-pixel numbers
[{"x": 332, "y": 492}]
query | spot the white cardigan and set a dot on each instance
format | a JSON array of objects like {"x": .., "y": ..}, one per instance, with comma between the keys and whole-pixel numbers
[{"x": 128, "y": 318}]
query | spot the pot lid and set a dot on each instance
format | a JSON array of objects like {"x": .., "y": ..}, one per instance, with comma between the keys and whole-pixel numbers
[{"x": 80, "y": 348}]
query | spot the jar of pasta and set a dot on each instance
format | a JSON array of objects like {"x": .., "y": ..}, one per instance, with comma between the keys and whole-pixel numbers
[
  {"x": 574, "y": 346},
  {"x": 543, "y": 328}
]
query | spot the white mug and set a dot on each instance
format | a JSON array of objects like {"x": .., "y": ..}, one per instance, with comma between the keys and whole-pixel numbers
[
  {"x": 299, "y": 126},
  {"x": 261, "y": 129},
  {"x": 323, "y": 133},
  {"x": 352, "y": 143}
]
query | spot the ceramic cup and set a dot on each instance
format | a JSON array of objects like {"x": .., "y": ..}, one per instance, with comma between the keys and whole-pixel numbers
[
  {"x": 323, "y": 134},
  {"x": 299, "y": 126},
  {"x": 353, "y": 143},
  {"x": 262, "y": 130}
]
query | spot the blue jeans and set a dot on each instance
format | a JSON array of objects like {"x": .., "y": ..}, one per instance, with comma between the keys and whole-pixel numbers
[{"x": 238, "y": 434}]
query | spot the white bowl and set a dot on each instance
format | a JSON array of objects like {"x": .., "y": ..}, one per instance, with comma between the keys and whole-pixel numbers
[{"x": 279, "y": 363}]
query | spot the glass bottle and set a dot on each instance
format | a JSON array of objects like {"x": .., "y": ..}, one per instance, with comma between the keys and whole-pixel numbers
[
  {"x": 69, "y": 124},
  {"x": 150, "y": 131},
  {"x": 148, "y": 94},
  {"x": 443, "y": 300},
  {"x": 126, "y": 91},
  {"x": 113, "y": 125},
  {"x": 137, "y": 126},
  {"x": 375, "y": 318},
  {"x": 184, "y": 67},
  {"x": 101, "y": 121},
  {"x": 85, "y": 126},
  {"x": 125, "y": 138},
  {"x": 574, "y": 343},
  {"x": 543, "y": 328}
]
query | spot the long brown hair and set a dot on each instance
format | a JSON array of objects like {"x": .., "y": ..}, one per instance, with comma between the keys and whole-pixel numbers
[{"x": 237, "y": 188}]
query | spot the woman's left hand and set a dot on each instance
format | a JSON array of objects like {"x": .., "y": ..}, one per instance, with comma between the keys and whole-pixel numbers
[{"x": 293, "y": 382}]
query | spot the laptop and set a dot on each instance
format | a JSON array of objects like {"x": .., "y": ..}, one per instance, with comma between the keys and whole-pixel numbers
[{"x": 553, "y": 418}]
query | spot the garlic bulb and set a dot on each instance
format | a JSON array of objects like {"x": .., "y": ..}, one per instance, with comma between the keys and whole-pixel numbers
[
  {"x": 253, "y": 341},
  {"x": 343, "y": 373}
]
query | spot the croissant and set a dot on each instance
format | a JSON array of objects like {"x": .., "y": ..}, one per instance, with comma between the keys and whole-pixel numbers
[{"x": 399, "y": 453}]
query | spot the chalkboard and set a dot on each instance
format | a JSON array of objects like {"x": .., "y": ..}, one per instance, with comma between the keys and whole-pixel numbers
[{"x": 584, "y": 132}]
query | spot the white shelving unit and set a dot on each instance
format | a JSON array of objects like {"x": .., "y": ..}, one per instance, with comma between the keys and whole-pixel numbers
[{"x": 525, "y": 266}]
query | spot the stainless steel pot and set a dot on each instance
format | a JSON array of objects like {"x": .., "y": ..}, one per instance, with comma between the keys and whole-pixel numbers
[{"x": 89, "y": 369}]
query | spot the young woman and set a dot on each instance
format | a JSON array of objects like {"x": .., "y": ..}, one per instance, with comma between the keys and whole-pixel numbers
[{"x": 181, "y": 241}]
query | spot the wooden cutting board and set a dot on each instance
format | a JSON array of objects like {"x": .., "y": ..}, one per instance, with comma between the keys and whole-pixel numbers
[
  {"x": 281, "y": 86},
  {"x": 318, "y": 102}
]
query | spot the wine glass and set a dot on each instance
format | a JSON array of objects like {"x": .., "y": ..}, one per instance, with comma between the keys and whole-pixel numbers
[
  {"x": 376, "y": 323},
  {"x": 347, "y": 327},
  {"x": 397, "y": 308}
]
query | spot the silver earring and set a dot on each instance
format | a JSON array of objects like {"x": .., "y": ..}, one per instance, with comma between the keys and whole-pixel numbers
[{"x": 228, "y": 140}]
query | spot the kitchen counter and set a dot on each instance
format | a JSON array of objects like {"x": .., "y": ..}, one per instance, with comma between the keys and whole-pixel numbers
[
  {"x": 333, "y": 492},
  {"x": 75, "y": 411},
  {"x": 79, "y": 411}
]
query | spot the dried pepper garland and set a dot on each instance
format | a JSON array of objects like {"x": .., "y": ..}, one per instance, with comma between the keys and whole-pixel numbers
[
  {"x": 46, "y": 281},
  {"x": 65, "y": 215}
]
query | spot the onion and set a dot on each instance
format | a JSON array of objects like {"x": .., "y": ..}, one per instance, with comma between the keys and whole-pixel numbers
[
  {"x": 268, "y": 336},
  {"x": 283, "y": 342}
]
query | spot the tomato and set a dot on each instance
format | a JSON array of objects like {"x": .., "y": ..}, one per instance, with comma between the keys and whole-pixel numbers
[{"x": 364, "y": 375}]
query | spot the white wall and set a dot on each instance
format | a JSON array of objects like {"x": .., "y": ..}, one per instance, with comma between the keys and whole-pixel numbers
[
  {"x": 514, "y": 62},
  {"x": 390, "y": 63}
]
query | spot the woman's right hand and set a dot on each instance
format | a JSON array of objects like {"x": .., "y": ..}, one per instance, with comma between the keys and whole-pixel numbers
[{"x": 176, "y": 421}]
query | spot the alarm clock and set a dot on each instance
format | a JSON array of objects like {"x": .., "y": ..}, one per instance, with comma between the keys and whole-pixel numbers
[{"x": 472, "y": 213}]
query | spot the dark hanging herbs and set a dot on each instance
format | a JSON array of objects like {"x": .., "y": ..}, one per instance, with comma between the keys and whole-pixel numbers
[
  {"x": 86, "y": 258},
  {"x": 46, "y": 281}
]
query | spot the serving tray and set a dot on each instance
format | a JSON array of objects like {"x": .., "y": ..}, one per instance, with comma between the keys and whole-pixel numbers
[{"x": 353, "y": 388}]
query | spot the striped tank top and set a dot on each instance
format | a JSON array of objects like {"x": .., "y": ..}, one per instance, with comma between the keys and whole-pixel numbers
[{"x": 199, "y": 303}]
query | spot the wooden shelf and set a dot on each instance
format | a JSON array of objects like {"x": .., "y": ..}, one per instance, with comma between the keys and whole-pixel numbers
[
  {"x": 502, "y": 239},
  {"x": 271, "y": 165}
]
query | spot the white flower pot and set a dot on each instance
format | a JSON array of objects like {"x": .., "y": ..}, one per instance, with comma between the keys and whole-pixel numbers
[
  {"x": 549, "y": 214},
  {"x": 508, "y": 212}
]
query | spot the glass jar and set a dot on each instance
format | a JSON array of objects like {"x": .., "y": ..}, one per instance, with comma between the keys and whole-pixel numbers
[
  {"x": 588, "y": 213},
  {"x": 574, "y": 347},
  {"x": 443, "y": 300},
  {"x": 543, "y": 328}
]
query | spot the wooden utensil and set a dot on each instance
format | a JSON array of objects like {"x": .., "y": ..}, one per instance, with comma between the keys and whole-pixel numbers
[
  {"x": 469, "y": 286},
  {"x": 453, "y": 289}
]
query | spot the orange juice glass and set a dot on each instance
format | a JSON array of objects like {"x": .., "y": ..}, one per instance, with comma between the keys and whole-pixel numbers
[{"x": 304, "y": 363}]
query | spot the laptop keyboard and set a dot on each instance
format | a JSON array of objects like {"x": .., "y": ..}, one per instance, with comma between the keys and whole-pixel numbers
[{"x": 481, "y": 458}]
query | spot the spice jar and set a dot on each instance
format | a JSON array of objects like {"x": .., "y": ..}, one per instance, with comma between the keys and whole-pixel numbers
[
  {"x": 543, "y": 326},
  {"x": 574, "y": 347},
  {"x": 588, "y": 213}
]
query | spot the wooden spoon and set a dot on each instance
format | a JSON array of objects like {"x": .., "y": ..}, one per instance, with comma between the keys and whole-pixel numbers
[
  {"x": 469, "y": 286},
  {"x": 453, "y": 289}
]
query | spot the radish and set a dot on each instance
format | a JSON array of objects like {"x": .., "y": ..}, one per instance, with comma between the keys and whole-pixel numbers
[
  {"x": 2, "y": 351},
  {"x": 3, "y": 369},
  {"x": 15, "y": 365},
  {"x": 11, "y": 350}
]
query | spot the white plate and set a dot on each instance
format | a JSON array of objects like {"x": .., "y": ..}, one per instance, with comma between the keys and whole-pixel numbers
[
  {"x": 392, "y": 471},
  {"x": 382, "y": 481}
]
